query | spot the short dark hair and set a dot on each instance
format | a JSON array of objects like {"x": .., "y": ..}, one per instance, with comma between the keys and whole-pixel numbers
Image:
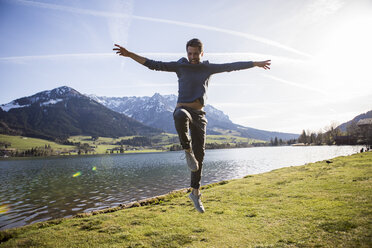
[{"x": 195, "y": 43}]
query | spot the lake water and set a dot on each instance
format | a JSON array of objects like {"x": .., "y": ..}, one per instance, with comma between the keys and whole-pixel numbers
[{"x": 36, "y": 190}]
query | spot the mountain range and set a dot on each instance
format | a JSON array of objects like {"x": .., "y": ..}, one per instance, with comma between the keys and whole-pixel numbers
[
  {"x": 157, "y": 111},
  {"x": 63, "y": 112}
]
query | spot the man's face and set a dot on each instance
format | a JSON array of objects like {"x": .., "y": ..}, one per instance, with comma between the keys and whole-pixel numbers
[{"x": 194, "y": 55}]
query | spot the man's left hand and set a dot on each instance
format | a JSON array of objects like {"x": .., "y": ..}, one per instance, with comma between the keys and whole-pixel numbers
[{"x": 263, "y": 64}]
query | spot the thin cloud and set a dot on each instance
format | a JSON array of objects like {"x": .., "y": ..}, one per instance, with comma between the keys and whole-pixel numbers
[
  {"x": 69, "y": 9},
  {"x": 294, "y": 84},
  {"x": 319, "y": 9},
  {"x": 119, "y": 27},
  {"x": 234, "y": 55},
  {"x": 226, "y": 31},
  {"x": 255, "y": 56},
  {"x": 20, "y": 59},
  {"x": 150, "y": 19}
]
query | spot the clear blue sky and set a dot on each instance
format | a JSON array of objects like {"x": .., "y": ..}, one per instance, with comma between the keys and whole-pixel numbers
[{"x": 320, "y": 52}]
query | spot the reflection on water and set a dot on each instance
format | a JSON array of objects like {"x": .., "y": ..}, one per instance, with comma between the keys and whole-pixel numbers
[{"x": 41, "y": 189}]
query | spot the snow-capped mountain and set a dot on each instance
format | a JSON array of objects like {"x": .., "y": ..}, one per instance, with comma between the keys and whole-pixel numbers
[
  {"x": 62, "y": 112},
  {"x": 131, "y": 106},
  {"x": 157, "y": 111},
  {"x": 43, "y": 98}
]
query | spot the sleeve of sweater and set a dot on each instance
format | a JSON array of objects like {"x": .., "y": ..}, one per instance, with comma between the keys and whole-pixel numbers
[
  {"x": 227, "y": 67},
  {"x": 161, "y": 66}
]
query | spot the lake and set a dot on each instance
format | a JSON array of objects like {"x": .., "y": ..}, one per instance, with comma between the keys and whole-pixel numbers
[{"x": 33, "y": 190}]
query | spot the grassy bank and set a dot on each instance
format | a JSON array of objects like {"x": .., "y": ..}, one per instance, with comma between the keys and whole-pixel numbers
[{"x": 315, "y": 205}]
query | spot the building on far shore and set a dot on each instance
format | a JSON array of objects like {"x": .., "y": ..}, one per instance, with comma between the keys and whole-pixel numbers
[
  {"x": 365, "y": 126},
  {"x": 365, "y": 123}
]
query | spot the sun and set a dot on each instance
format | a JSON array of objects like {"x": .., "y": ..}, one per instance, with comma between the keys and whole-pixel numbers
[{"x": 345, "y": 55}]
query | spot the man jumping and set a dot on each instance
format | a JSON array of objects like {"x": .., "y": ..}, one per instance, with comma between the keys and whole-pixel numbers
[{"x": 193, "y": 77}]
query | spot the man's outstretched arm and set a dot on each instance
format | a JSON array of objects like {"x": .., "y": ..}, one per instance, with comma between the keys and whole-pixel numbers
[
  {"x": 235, "y": 66},
  {"x": 124, "y": 52},
  {"x": 151, "y": 64}
]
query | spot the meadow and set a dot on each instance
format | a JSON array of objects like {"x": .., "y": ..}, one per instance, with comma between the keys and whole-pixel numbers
[{"x": 24, "y": 143}]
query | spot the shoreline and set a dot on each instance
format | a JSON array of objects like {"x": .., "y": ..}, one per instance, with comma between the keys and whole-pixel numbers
[
  {"x": 76, "y": 155},
  {"x": 155, "y": 151}
]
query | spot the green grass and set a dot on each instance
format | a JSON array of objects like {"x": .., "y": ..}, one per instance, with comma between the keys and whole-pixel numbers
[
  {"x": 315, "y": 205},
  {"x": 24, "y": 143}
]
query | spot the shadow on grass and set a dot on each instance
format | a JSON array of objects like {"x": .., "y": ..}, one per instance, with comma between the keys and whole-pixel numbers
[{"x": 337, "y": 226}]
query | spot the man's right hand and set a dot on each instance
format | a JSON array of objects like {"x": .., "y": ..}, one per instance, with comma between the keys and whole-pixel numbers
[
  {"x": 121, "y": 51},
  {"x": 124, "y": 52}
]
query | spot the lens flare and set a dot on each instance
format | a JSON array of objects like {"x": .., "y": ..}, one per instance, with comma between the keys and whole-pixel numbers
[
  {"x": 77, "y": 174},
  {"x": 94, "y": 168},
  {"x": 4, "y": 209}
]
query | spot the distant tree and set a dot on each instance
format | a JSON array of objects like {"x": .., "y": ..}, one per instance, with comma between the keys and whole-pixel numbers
[
  {"x": 85, "y": 147},
  {"x": 175, "y": 147},
  {"x": 302, "y": 138},
  {"x": 354, "y": 132},
  {"x": 291, "y": 141},
  {"x": 330, "y": 134},
  {"x": 276, "y": 141},
  {"x": 136, "y": 141},
  {"x": 35, "y": 152},
  {"x": 67, "y": 142},
  {"x": 319, "y": 138},
  {"x": 5, "y": 144},
  {"x": 327, "y": 139},
  {"x": 312, "y": 138},
  {"x": 221, "y": 145}
]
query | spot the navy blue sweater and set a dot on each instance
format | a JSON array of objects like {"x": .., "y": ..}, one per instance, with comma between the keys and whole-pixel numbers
[{"x": 193, "y": 78}]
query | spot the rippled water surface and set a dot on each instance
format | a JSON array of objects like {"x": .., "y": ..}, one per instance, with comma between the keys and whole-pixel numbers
[{"x": 41, "y": 189}]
